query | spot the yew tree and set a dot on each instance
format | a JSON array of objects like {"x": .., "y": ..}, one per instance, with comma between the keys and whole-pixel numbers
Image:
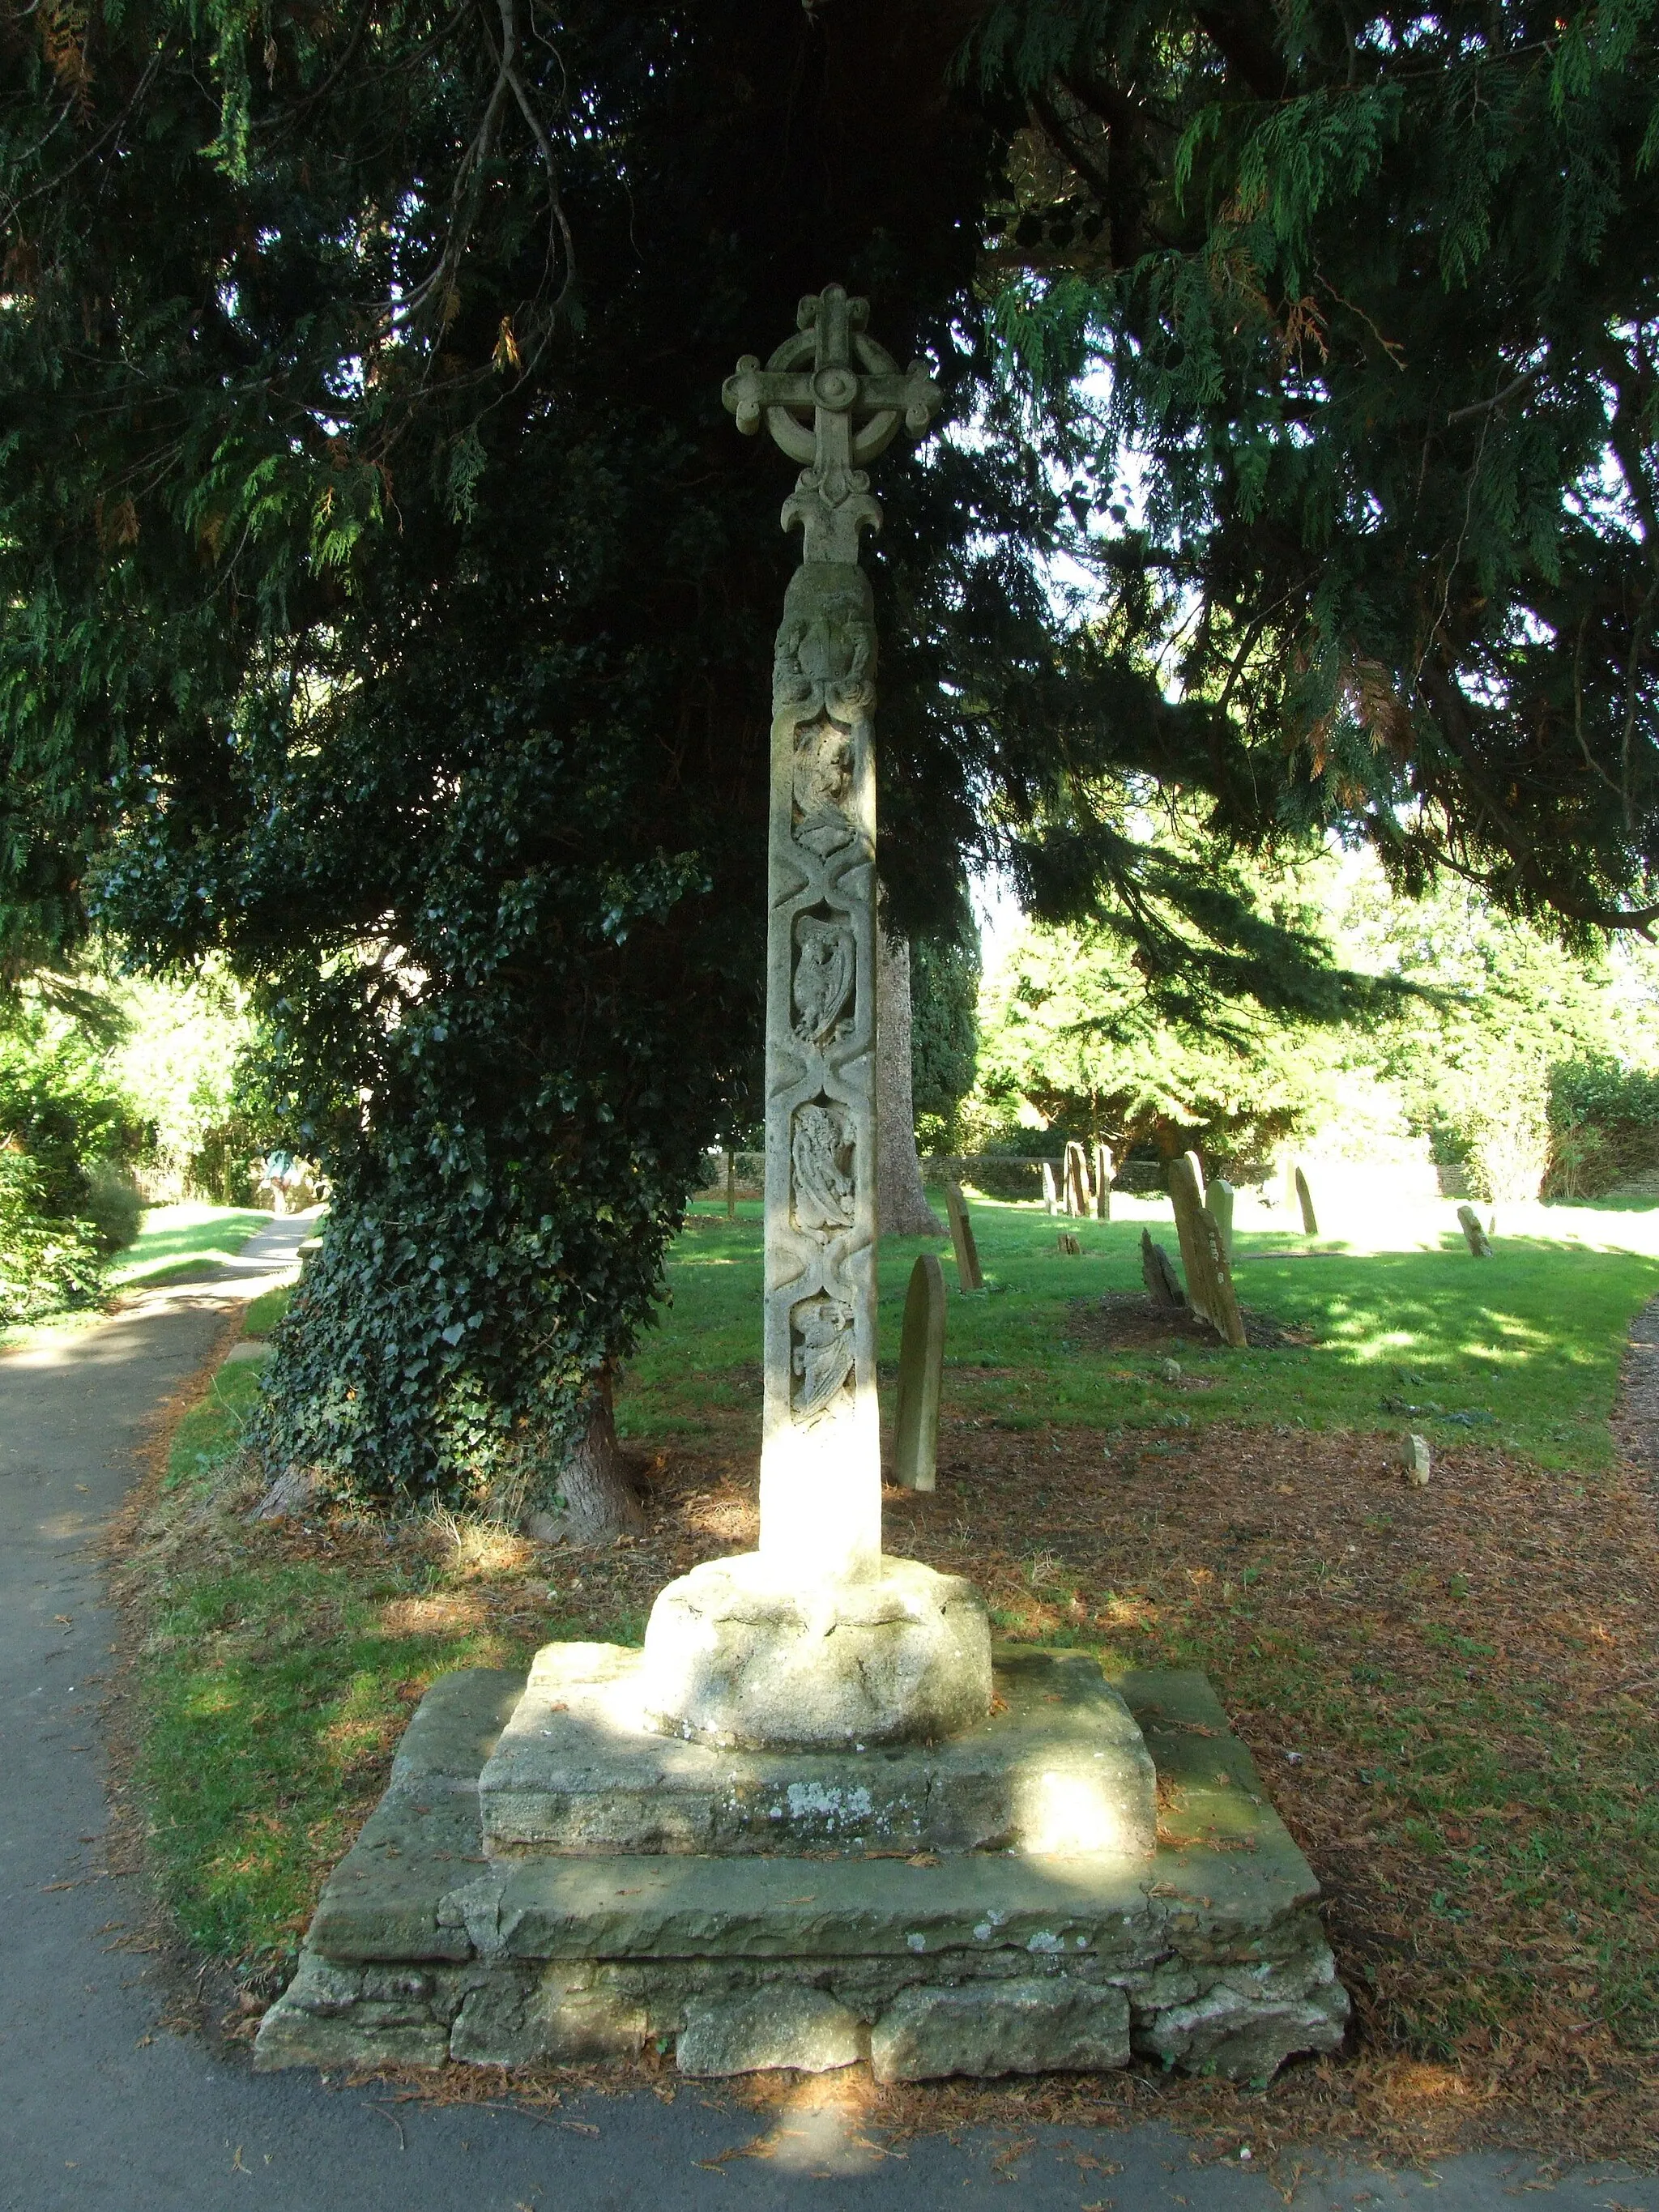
[{"x": 387, "y": 600}]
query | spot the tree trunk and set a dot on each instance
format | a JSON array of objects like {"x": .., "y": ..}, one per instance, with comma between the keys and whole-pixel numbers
[
  {"x": 902, "y": 1207},
  {"x": 596, "y": 1499}
]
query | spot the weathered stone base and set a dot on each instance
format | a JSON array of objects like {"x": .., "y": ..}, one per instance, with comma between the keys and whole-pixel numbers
[
  {"x": 1060, "y": 1766},
  {"x": 742, "y": 1655},
  {"x": 1208, "y": 1956}
]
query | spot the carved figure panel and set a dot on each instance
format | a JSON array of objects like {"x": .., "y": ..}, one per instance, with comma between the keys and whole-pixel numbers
[
  {"x": 825, "y": 654},
  {"x": 823, "y": 780},
  {"x": 821, "y": 1358},
  {"x": 821, "y": 1148},
  {"x": 825, "y": 966}
]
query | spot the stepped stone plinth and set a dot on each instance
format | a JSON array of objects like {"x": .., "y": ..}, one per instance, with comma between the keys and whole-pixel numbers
[{"x": 548, "y": 1884}]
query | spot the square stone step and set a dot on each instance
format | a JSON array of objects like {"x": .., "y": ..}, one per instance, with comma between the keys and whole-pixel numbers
[{"x": 1060, "y": 1767}]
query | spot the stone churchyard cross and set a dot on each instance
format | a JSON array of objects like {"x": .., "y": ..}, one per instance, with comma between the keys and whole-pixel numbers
[
  {"x": 625, "y": 1867},
  {"x": 818, "y": 1637},
  {"x": 831, "y": 398}
]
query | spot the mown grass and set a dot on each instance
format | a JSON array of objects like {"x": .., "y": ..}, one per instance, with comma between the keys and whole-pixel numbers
[
  {"x": 177, "y": 1241},
  {"x": 1522, "y": 1349}
]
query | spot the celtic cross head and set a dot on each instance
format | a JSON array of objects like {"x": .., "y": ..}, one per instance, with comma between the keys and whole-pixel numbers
[{"x": 834, "y": 414}]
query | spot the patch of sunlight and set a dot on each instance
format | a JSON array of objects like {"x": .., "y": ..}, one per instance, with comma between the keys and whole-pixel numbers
[
  {"x": 455, "y": 1613},
  {"x": 346, "y": 1738},
  {"x": 479, "y": 1546},
  {"x": 209, "y": 1702}
]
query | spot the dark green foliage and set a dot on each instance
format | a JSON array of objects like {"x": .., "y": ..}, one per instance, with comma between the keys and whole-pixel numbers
[
  {"x": 1376, "y": 290},
  {"x": 388, "y": 600},
  {"x": 47, "y": 1262},
  {"x": 418, "y": 663},
  {"x": 944, "y": 974}
]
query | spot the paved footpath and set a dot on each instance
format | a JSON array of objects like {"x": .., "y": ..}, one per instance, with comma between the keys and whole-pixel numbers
[{"x": 100, "y": 2106}]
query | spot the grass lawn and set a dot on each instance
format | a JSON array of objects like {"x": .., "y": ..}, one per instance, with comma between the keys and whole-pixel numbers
[
  {"x": 178, "y": 1242},
  {"x": 1520, "y": 1350},
  {"x": 1450, "y": 1690}
]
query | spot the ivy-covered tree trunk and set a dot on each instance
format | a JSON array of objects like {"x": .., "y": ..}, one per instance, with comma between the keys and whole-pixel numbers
[{"x": 901, "y": 1200}]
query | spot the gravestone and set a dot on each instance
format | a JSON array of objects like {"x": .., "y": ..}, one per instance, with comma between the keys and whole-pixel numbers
[
  {"x": 1158, "y": 1272},
  {"x": 1077, "y": 1182},
  {"x": 1102, "y": 1183},
  {"x": 969, "y": 1278},
  {"x": 1209, "y": 1278},
  {"x": 1071, "y": 1246},
  {"x": 1050, "y": 1197},
  {"x": 730, "y": 1186},
  {"x": 1304, "y": 1199},
  {"x": 1418, "y": 1462},
  {"x": 1219, "y": 1205},
  {"x": 1469, "y": 1222},
  {"x": 809, "y": 1819},
  {"x": 921, "y": 1374}
]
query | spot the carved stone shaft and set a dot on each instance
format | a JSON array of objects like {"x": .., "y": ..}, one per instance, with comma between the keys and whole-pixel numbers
[{"x": 821, "y": 1443}]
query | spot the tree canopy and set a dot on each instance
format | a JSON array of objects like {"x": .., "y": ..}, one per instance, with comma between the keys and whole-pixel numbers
[{"x": 387, "y": 601}]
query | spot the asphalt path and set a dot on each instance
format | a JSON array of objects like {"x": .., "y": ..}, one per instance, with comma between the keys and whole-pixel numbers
[{"x": 101, "y": 2106}]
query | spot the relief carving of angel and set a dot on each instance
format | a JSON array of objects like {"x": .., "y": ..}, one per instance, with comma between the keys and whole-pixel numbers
[
  {"x": 822, "y": 1357},
  {"x": 821, "y": 1156},
  {"x": 823, "y": 978}
]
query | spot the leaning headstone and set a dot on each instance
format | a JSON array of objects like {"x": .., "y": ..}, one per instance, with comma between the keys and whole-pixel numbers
[
  {"x": 1158, "y": 1272},
  {"x": 1102, "y": 1183},
  {"x": 1050, "y": 1196},
  {"x": 1418, "y": 1461},
  {"x": 1304, "y": 1199},
  {"x": 1219, "y": 1205},
  {"x": 1469, "y": 1222},
  {"x": 968, "y": 1277},
  {"x": 1071, "y": 1246},
  {"x": 1076, "y": 1182},
  {"x": 921, "y": 1372},
  {"x": 1209, "y": 1278}
]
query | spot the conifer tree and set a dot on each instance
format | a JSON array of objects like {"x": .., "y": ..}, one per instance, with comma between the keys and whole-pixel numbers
[{"x": 387, "y": 602}]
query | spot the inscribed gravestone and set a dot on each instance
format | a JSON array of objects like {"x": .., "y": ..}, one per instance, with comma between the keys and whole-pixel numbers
[
  {"x": 1076, "y": 1182},
  {"x": 921, "y": 1373},
  {"x": 1209, "y": 1279}
]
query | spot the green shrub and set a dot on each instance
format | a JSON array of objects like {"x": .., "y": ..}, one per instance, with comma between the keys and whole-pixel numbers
[
  {"x": 113, "y": 1205},
  {"x": 46, "y": 1262},
  {"x": 1604, "y": 1127}
]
